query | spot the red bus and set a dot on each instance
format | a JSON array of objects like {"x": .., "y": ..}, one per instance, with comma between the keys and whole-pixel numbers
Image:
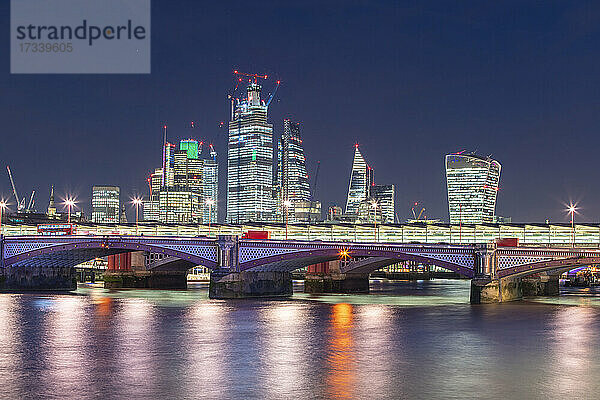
[{"x": 57, "y": 229}]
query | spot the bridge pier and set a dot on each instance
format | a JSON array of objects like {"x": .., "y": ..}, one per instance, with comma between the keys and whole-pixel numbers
[
  {"x": 484, "y": 291},
  {"x": 133, "y": 275},
  {"x": 38, "y": 278},
  {"x": 540, "y": 285},
  {"x": 225, "y": 284},
  {"x": 331, "y": 280}
]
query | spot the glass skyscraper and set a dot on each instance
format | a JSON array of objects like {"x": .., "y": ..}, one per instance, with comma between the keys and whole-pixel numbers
[
  {"x": 361, "y": 179},
  {"x": 250, "y": 161},
  {"x": 472, "y": 183},
  {"x": 292, "y": 178},
  {"x": 210, "y": 188},
  {"x": 105, "y": 204}
]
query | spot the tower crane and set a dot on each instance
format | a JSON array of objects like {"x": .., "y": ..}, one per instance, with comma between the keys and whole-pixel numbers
[
  {"x": 316, "y": 178},
  {"x": 417, "y": 218},
  {"x": 255, "y": 76},
  {"x": 20, "y": 202}
]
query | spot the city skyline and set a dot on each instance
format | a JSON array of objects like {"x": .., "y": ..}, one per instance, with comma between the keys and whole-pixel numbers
[{"x": 409, "y": 111}]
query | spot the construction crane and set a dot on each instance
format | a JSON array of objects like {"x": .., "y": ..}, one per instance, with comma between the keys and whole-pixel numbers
[
  {"x": 417, "y": 218},
  {"x": 255, "y": 76},
  {"x": 272, "y": 94},
  {"x": 20, "y": 202},
  {"x": 31, "y": 201},
  {"x": 316, "y": 178}
]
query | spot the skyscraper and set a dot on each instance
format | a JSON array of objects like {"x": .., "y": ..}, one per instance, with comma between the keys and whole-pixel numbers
[
  {"x": 361, "y": 179},
  {"x": 105, "y": 204},
  {"x": 250, "y": 161},
  {"x": 210, "y": 188},
  {"x": 179, "y": 198},
  {"x": 383, "y": 195},
  {"x": 292, "y": 179},
  {"x": 472, "y": 183}
]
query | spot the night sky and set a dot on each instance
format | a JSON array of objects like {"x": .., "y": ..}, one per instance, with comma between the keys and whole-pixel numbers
[{"x": 410, "y": 81}]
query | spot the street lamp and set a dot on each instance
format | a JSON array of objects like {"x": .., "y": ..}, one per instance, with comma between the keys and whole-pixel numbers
[
  {"x": 374, "y": 205},
  {"x": 2, "y": 207},
  {"x": 572, "y": 209},
  {"x": 137, "y": 201},
  {"x": 286, "y": 204},
  {"x": 209, "y": 203},
  {"x": 70, "y": 203}
]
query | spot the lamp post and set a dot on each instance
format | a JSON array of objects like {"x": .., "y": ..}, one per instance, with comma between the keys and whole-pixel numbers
[
  {"x": 209, "y": 203},
  {"x": 137, "y": 201},
  {"x": 286, "y": 206},
  {"x": 2, "y": 207},
  {"x": 374, "y": 205},
  {"x": 70, "y": 204},
  {"x": 572, "y": 210}
]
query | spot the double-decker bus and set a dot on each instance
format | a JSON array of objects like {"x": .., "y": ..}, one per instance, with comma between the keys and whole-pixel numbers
[{"x": 57, "y": 229}]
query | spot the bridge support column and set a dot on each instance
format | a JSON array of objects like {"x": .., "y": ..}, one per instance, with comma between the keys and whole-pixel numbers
[
  {"x": 135, "y": 276},
  {"x": 541, "y": 285},
  {"x": 225, "y": 284},
  {"x": 331, "y": 280},
  {"x": 39, "y": 278},
  {"x": 485, "y": 291}
]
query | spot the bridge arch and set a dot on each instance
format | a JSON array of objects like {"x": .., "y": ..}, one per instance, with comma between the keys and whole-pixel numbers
[
  {"x": 559, "y": 266},
  {"x": 299, "y": 259},
  {"x": 77, "y": 252}
]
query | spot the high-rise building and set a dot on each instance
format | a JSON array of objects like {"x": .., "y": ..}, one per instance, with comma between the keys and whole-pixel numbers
[
  {"x": 105, "y": 205},
  {"x": 179, "y": 198},
  {"x": 292, "y": 179},
  {"x": 250, "y": 161},
  {"x": 361, "y": 179},
  {"x": 210, "y": 188},
  {"x": 472, "y": 183},
  {"x": 383, "y": 195}
]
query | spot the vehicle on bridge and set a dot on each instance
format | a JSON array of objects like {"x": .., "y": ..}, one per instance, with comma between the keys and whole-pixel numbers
[{"x": 57, "y": 229}]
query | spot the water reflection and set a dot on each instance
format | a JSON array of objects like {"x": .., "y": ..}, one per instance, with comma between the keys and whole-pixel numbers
[
  {"x": 341, "y": 370},
  {"x": 10, "y": 332}
]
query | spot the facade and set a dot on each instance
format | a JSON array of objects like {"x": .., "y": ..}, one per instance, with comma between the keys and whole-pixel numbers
[
  {"x": 361, "y": 179},
  {"x": 51, "y": 212},
  {"x": 250, "y": 161},
  {"x": 292, "y": 178},
  {"x": 384, "y": 195},
  {"x": 307, "y": 211},
  {"x": 105, "y": 204},
  {"x": 334, "y": 213},
  {"x": 210, "y": 188},
  {"x": 177, "y": 191},
  {"x": 472, "y": 183}
]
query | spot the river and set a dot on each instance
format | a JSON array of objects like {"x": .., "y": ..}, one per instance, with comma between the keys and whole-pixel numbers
[{"x": 419, "y": 340}]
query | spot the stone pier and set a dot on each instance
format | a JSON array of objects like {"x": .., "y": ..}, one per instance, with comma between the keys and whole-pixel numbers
[
  {"x": 541, "y": 285},
  {"x": 225, "y": 284},
  {"x": 135, "y": 276},
  {"x": 331, "y": 280},
  {"x": 485, "y": 291},
  {"x": 38, "y": 278}
]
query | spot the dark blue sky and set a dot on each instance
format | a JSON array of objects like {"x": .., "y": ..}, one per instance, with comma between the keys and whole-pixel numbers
[{"x": 410, "y": 82}]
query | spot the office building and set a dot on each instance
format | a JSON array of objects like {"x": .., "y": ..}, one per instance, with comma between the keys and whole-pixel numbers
[
  {"x": 250, "y": 161},
  {"x": 292, "y": 178},
  {"x": 210, "y": 188},
  {"x": 472, "y": 183},
  {"x": 105, "y": 204},
  {"x": 383, "y": 195},
  {"x": 361, "y": 179}
]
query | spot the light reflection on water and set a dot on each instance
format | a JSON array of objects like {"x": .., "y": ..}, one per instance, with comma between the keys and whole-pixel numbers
[{"x": 405, "y": 340}]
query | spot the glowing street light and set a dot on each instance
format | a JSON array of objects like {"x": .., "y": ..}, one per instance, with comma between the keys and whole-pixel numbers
[
  {"x": 286, "y": 204},
  {"x": 572, "y": 209},
  {"x": 374, "y": 206},
  {"x": 137, "y": 201},
  {"x": 70, "y": 203},
  {"x": 209, "y": 203},
  {"x": 3, "y": 205}
]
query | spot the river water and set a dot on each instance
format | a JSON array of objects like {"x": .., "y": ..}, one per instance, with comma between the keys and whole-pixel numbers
[{"x": 417, "y": 340}]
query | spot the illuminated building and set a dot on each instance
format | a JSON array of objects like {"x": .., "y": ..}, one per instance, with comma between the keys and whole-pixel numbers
[
  {"x": 51, "y": 206},
  {"x": 250, "y": 161},
  {"x": 472, "y": 183},
  {"x": 292, "y": 179},
  {"x": 105, "y": 205},
  {"x": 210, "y": 188},
  {"x": 179, "y": 198},
  {"x": 383, "y": 197},
  {"x": 361, "y": 179},
  {"x": 307, "y": 211},
  {"x": 334, "y": 213}
]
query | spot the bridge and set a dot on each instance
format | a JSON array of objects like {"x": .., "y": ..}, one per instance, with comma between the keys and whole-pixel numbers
[{"x": 247, "y": 268}]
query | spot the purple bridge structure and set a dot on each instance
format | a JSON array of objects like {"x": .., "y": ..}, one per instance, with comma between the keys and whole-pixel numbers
[{"x": 252, "y": 268}]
